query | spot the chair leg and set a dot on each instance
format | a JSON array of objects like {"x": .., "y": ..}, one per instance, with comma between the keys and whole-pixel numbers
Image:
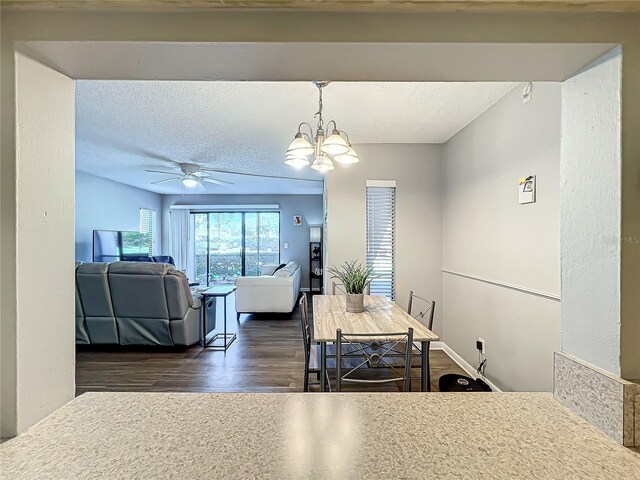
[
  {"x": 306, "y": 380},
  {"x": 429, "y": 370},
  {"x": 238, "y": 317}
]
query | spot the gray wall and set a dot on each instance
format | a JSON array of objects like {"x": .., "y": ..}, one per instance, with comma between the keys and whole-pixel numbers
[
  {"x": 487, "y": 234},
  {"x": 416, "y": 168},
  {"x": 102, "y": 204},
  {"x": 309, "y": 206}
]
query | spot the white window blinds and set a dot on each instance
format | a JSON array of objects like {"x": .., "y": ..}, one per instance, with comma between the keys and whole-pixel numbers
[
  {"x": 381, "y": 236},
  {"x": 147, "y": 226}
]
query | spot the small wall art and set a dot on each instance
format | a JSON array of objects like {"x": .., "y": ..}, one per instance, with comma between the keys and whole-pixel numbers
[{"x": 527, "y": 189}]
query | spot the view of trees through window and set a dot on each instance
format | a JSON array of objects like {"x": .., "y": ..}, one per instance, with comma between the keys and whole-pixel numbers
[{"x": 230, "y": 244}]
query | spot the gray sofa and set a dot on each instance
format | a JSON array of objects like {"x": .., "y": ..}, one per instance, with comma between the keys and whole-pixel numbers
[{"x": 135, "y": 303}]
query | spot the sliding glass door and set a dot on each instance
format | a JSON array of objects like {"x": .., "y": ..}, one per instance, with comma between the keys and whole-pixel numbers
[
  {"x": 230, "y": 244},
  {"x": 262, "y": 241}
]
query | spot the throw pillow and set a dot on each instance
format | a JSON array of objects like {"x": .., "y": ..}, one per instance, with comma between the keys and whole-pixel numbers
[{"x": 279, "y": 267}]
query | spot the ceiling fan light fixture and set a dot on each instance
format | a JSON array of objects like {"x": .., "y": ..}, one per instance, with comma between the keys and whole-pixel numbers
[
  {"x": 348, "y": 158},
  {"x": 190, "y": 181}
]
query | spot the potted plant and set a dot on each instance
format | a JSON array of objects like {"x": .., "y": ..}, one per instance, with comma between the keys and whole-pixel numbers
[{"x": 355, "y": 279}]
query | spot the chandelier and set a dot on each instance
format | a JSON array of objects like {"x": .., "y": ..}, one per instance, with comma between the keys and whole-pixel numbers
[{"x": 323, "y": 150}]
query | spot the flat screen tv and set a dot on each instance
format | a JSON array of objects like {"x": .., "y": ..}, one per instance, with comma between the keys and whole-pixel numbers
[{"x": 115, "y": 245}]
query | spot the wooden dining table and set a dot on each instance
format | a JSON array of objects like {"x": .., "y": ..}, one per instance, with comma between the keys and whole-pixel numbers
[{"x": 380, "y": 316}]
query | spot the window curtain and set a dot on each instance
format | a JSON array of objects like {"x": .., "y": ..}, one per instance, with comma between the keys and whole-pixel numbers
[{"x": 179, "y": 239}]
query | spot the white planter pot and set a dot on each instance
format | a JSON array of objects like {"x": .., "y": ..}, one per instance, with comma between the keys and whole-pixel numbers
[{"x": 355, "y": 302}]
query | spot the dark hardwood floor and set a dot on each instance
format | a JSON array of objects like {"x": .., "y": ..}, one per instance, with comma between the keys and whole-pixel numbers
[{"x": 267, "y": 356}]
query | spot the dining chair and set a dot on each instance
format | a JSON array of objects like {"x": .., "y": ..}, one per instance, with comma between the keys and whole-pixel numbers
[
  {"x": 425, "y": 308},
  {"x": 371, "y": 350},
  {"x": 422, "y": 310},
  {"x": 306, "y": 338},
  {"x": 311, "y": 351},
  {"x": 338, "y": 287}
]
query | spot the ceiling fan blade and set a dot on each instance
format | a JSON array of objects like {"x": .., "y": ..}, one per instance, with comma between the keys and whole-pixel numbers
[
  {"x": 261, "y": 175},
  {"x": 163, "y": 171},
  {"x": 153, "y": 156},
  {"x": 166, "y": 180},
  {"x": 216, "y": 182}
]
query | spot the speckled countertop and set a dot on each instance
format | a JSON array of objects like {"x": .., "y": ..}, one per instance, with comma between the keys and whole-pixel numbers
[{"x": 342, "y": 436}]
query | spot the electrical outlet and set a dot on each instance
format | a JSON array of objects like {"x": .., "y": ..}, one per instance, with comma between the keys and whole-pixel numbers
[{"x": 480, "y": 345}]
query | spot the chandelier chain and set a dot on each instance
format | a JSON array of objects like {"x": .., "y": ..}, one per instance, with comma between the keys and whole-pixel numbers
[{"x": 320, "y": 105}]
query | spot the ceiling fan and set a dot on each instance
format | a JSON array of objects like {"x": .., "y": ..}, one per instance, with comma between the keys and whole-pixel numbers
[{"x": 191, "y": 175}]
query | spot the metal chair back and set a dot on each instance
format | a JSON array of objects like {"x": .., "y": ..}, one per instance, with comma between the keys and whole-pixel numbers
[
  {"x": 421, "y": 309},
  {"x": 373, "y": 351},
  {"x": 306, "y": 338},
  {"x": 306, "y": 326}
]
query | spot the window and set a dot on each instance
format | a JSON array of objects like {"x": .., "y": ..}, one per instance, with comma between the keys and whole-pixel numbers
[
  {"x": 381, "y": 236},
  {"x": 227, "y": 245},
  {"x": 148, "y": 227},
  {"x": 262, "y": 241}
]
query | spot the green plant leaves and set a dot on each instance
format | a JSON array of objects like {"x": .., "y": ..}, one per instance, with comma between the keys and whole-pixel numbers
[{"x": 354, "y": 276}]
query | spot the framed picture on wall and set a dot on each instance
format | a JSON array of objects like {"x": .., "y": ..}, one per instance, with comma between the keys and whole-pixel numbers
[
  {"x": 297, "y": 220},
  {"x": 527, "y": 189}
]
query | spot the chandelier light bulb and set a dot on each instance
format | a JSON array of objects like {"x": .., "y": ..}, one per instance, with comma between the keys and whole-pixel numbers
[
  {"x": 348, "y": 158},
  {"x": 323, "y": 164},
  {"x": 296, "y": 162},
  {"x": 300, "y": 146},
  {"x": 334, "y": 144}
]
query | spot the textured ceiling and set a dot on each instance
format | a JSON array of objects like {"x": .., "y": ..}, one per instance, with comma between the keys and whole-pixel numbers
[{"x": 124, "y": 127}]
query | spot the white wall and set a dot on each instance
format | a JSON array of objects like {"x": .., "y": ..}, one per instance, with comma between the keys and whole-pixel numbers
[
  {"x": 297, "y": 237},
  {"x": 488, "y": 235},
  {"x": 591, "y": 200},
  {"x": 103, "y": 204},
  {"x": 416, "y": 169},
  {"x": 45, "y": 350}
]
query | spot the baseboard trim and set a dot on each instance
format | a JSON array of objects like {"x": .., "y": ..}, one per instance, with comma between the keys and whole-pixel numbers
[{"x": 462, "y": 363}]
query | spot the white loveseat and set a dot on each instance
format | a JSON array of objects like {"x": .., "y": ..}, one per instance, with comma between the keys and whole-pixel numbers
[{"x": 269, "y": 293}]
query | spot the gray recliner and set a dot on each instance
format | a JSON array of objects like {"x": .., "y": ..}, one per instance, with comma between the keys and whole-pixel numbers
[
  {"x": 95, "y": 297},
  {"x": 153, "y": 305},
  {"x": 82, "y": 336}
]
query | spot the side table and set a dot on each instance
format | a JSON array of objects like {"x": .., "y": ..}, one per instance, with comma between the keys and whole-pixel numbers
[{"x": 215, "y": 292}]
